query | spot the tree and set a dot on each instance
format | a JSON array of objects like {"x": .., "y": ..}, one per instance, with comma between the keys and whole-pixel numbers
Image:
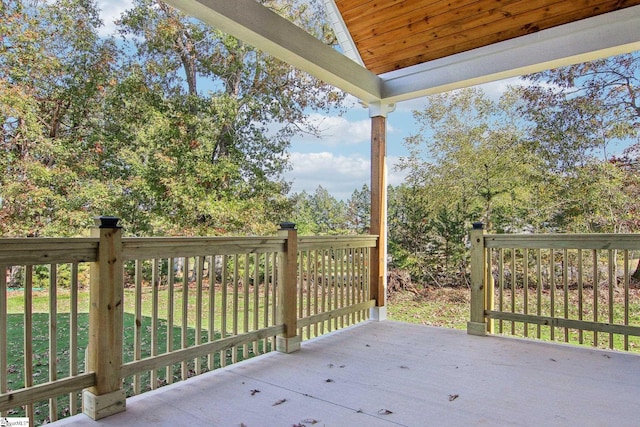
[
  {"x": 359, "y": 210},
  {"x": 184, "y": 130},
  {"x": 578, "y": 117},
  {"x": 541, "y": 159},
  {"x": 212, "y": 159},
  {"x": 468, "y": 156},
  {"x": 329, "y": 213},
  {"x": 578, "y": 112},
  {"x": 54, "y": 74}
]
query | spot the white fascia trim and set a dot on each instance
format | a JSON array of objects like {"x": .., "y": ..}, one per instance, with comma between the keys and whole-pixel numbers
[
  {"x": 342, "y": 33},
  {"x": 262, "y": 28},
  {"x": 601, "y": 36}
]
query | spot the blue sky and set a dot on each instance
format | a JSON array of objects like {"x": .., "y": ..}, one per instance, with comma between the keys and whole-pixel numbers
[{"x": 339, "y": 159}]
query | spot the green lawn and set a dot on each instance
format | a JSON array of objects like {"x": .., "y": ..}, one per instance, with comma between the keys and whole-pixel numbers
[
  {"x": 450, "y": 307},
  {"x": 40, "y": 341},
  {"x": 445, "y": 307}
]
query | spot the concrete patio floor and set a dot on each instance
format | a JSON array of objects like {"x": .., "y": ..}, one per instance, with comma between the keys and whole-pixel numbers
[{"x": 397, "y": 374}]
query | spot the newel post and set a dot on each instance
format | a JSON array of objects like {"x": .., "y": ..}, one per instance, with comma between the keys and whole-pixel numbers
[
  {"x": 289, "y": 340},
  {"x": 104, "y": 352},
  {"x": 478, "y": 324}
]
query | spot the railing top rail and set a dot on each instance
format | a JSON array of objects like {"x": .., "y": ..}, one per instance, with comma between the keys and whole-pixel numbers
[
  {"x": 202, "y": 239},
  {"x": 162, "y": 247},
  {"x": 23, "y": 251},
  {"x": 336, "y": 242},
  {"x": 563, "y": 241},
  {"x": 37, "y": 250}
]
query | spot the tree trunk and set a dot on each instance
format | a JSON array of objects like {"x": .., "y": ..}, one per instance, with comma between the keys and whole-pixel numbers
[{"x": 636, "y": 274}]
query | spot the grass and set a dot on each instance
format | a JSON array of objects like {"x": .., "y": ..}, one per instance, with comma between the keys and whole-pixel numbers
[
  {"x": 436, "y": 306},
  {"x": 450, "y": 307},
  {"x": 40, "y": 342}
]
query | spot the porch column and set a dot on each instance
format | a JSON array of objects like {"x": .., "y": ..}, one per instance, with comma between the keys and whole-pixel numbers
[
  {"x": 378, "y": 269},
  {"x": 104, "y": 352}
]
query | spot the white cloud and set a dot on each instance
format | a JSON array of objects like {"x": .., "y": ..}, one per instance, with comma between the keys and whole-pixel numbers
[
  {"x": 336, "y": 131},
  {"x": 340, "y": 175},
  {"x": 110, "y": 11},
  {"x": 494, "y": 90}
]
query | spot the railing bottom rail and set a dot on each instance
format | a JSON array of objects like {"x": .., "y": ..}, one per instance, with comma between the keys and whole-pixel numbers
[{"x": 559, "y": 322}]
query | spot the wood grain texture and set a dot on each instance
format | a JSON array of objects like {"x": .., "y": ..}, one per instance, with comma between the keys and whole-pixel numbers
[{"x": 394, "y": 34}]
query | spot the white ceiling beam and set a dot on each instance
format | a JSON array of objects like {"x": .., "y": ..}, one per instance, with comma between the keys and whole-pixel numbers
[
  {"x": 260, "y": 27},
  {"x": 598, "y": 37}
]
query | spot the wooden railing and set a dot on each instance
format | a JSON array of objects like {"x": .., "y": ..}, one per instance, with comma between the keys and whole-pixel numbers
[
  {"x": 575, "y": 288},
  {"x": 160, "y": 310}
]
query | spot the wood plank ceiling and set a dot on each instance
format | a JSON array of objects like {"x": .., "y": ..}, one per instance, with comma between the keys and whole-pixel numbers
[{"x": 395, "y": 34}]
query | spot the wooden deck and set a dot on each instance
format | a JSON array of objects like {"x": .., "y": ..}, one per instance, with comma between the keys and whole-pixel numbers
[{"x": 396, "y": 374}]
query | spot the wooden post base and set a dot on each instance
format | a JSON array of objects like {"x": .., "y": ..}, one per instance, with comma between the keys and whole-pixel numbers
[
  {"x": 475, "y": 328},
  {"x": 97, "y": 407},
  {"x": 288, "y": 345},
  {"x": 378, "y": 314}
]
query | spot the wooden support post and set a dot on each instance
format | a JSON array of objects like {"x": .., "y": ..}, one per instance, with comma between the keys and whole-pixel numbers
[
  {"x": 378, "y": 268},
  {"x": 477, "y": 324},
  {"x": 289, "y": 341},
  {"x": 104, "y": 352}
]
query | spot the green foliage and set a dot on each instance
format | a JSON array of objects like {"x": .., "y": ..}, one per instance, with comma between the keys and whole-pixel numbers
[
  {"x": 359, "y": 210},
  {"x": 180, "y": 130},
  {"x": 320, "y": 213},
  {"x": 536, "y": 160}
]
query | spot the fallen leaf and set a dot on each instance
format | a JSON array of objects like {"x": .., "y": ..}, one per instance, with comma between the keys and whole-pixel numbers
[
  {"x": 367, "y": 345},
  {"x": 253, "y": 392},
  {"x": 310, "y": 421},
  {"x": 359, "y": 411},
  {"x": 404, "y": 367},
  {"x": 384, "y": 412},
  {"x": 552, "y": 359},
  {"x": 453, "y": 397},
  {"x": 279, "y": 402},
  {"x": 328, "y": 380}
]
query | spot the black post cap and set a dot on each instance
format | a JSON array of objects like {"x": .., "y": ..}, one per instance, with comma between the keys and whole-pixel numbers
[
  {"x": 287, "y": 225},
  {"x": 107, "y": 222},
  {"x": 478, "y": 226}
]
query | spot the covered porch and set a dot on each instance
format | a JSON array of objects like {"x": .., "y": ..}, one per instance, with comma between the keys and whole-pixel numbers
[
  {"x": 390, "y": 373},
  {"x": 373, "y": 373}
]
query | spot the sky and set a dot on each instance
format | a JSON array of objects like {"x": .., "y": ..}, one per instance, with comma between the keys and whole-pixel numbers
[{"x": 338, "y": 160}]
